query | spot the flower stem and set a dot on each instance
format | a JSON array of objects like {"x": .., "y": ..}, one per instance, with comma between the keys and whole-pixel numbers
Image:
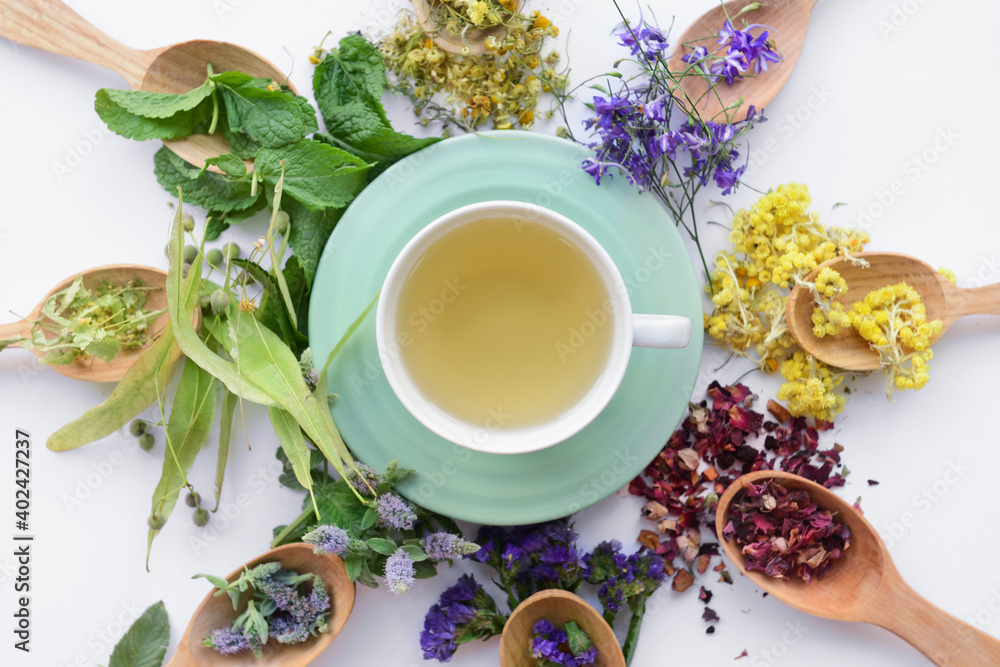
[
  {"x": 292, "y": 527},
  {"x": 632, "y": 638}
]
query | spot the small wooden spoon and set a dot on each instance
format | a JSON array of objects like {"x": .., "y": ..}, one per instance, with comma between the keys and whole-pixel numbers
[
  {"x": 789, "y": 20},
  {"x": 54, "y": 27},
  {"x": 864, "y": 585},
  {"x": 474, "y": 39},
  {"x": 943, "y": 300},
  {"x": 559, "y": 608},
  {"x": 94, "y": 370},
  {"x": 216, "y": 611}
]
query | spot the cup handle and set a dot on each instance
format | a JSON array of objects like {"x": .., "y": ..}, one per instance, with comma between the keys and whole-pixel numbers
[{"x": 661, "y": 331}]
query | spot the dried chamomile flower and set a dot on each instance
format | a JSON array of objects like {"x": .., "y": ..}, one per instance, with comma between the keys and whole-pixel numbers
[
  {"x": 894, "y": 321},
  {"x": 809, "y": 387}
]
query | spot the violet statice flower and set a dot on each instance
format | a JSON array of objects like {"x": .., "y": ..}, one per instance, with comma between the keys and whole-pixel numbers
[
  {"x": 548, "y": 642},
  {"x": 399, "y": 572},
  {"x": 393, "y": 512},
  {"x": 463, "y": 613},
  {"x": 227, "y": 642},
  {"x": 327, "y": 539},
  {"x": 447, "y": 546}
]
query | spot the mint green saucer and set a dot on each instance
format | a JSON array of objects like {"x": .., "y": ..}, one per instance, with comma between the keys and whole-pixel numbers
[{"x": 517, "y": 488}]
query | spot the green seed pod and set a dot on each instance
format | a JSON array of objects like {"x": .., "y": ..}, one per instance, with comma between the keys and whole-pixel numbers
[
  {"x": 137, "y": 427},
  {"x": 187, "y": 223},
  {"x": 200, "y": 517},
  {"x": 220, "y": 301},
  {"x": 192, "y": 499},
  {"x": 156, "y": 521},
  {"x": 231, "y": 250},
  {"x": 205, "y": 302},
  {"x": 146, "y": 441},
  {"x": 214, "y": 257},
  {"x": 281, "y": 222},
  {"x": 190, "y": 252}
]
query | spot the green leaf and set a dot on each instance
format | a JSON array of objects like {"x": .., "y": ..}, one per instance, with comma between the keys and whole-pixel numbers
[
  {"x": 139, "y": 127},
  {"x": 339, "y": 506},
  {"x": 318, "y": 175},
  {"x": 218, "y": 582},
  {"x": 424, "y": 569},
  {"x": 138, "y": 388},
  {"x": 354, "y": 72},
  {"x": 370, "y": 518},
  {"x": 219, "y": 221},
  {"x": 258, "y": 623},
  {"x": 294, "y": 446},
  {"x": 273, "y": 314},
  {"x": 358, "y": 128},
  {"x": 225, "y": 435},
  {"x": 243, "y": 146},
  {"x": 310, "y": 230},
  {"x": 354, "y": 563},
  {"x": 105, "y": 350},
  {"x": 309, "y": 121},
  {"x": 232, "y": 165},
  {"x": 209, "y": 190},
  {"x": 416, "y": 553},
  {"x": 271, "y": 117},
  {"x": 159, "y": 105},
  {"x": 145, "y": 643},
  {"x": 191, "y": 417},
  {"x": 382, "y": 546}
]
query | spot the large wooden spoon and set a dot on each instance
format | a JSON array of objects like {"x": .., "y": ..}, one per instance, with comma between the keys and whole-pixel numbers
[
  {"x": 93, "y": 370},
  {"x": 864, "y": 585},
  {"x": 52, "y": 26},
  {"x": 216, "y": 611},
  {"x": 943, "y": 301},
  {"x": 789, "y": 20},
  {"x": 474, "y": 40},
  {"x": 557, "y": 607}
]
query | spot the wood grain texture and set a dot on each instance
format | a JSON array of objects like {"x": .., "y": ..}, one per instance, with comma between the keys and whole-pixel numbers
[
  {"x": 217, "y": 611},
  {"x": 943, "y": 301},
  {"x": 54, "y": 27},
  {"x": 864, "y": 585},
  {"x": 95, "y": 370},
  {"x": 558, "y": 607},
  {"x": 789, "y": 20}
]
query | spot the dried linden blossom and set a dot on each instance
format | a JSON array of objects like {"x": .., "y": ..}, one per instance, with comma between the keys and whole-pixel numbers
[{"x": 503, "y": 85}]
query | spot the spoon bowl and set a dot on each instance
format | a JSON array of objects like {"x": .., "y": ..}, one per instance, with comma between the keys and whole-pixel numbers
[
  {"x": 216, "y": 611},
  {"x": 94, "y": 370},
  {"x": 558, "y": 607},
  {"x": 475, "y": 40},
  {"x": 848, "y": 350},
  {"x": 54, "y": 27},
  {"x": 864, "y": 585},
  {"x": 730, "y": 103}
]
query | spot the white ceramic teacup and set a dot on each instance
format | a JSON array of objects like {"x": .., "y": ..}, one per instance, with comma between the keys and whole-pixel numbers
[{"x": 629, "y": 329}]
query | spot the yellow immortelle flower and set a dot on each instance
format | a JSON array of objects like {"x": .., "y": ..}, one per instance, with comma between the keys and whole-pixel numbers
[
  {"x": 828, "y": 316},
  {"x": 809, "y": 388},
  {"x": 949, "y": 275}
]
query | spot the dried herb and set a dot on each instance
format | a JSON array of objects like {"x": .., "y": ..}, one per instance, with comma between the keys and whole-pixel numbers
[
  {"x": 568, "y": 646},
  {"x": 783, "y": 533}
]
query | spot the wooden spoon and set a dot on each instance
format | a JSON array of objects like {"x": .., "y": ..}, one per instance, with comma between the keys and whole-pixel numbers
[
  {"x": 559, "y": 608},
  {"x": 789, "y": 20},
  {"x": 474, "y": 39},
  {"x": 864, "y": 585},
  {"x": 943, "y": 300},
  {"x": 216, "y": 611},
  {"x": 95, "y": 370},
  {"x": 52, "y": 26}
]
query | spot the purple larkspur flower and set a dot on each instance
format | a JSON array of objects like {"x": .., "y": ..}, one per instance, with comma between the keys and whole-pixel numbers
[
  {"x": 399, "y": 573},
  {"x": 443, "y": 545},
  {"x": 393, "y": 512},
  {"x": 327, "y": 539},
  {"x": 644, "y": 38}
]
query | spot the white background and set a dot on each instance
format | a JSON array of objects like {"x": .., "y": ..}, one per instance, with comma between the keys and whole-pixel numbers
[{"x": 877, "y": 84}]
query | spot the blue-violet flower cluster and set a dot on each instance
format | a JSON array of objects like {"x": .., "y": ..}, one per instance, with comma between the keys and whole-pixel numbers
[{"x": 463, "y": 613}]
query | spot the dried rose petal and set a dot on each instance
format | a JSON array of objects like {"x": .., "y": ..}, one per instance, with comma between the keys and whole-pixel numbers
[{"x": 682, "y": 581}]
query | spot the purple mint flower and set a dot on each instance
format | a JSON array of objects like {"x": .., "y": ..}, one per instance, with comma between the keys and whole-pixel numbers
[
  {"x": 327, "y": 539},
  {"x": 399, "y": 574},
  {"x": 364, "y": 477},
  {"x": 227, "y": 642},
  {"x": 393, "y": 512},
  {"x": 286, "y": 629},
  {"x": 447, "y": 546}
]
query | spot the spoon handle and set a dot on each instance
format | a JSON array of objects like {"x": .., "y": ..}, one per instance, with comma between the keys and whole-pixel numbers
[
  {"x": 945, "y": 640},
  {"x": 54, "y": 27},
  {"x": 20, "y": 329},
  {"x": 983, "y": 300}
]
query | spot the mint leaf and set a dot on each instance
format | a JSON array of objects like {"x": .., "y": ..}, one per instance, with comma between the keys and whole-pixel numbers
[
  {"x": 212, "y": 191},
  {"x": 233, "y": 166},
  {"x": 309, "y": 233},
  {"x": 354, "y": 72},
  {"x": 135, "y": 126},
  {"x": 243, "y": 146},
  {"x": 145, "y": 643},
  {"x": 382, "y": 546},
  {"x": 219, "y": 221},
  {"x": 356, "y": 128},
  {"x": 271, "y": 117},
  {"x": 159, "y": 105},
  {"x": 337, "y": 505},
  {"x": 309, "y": 121},
  {"x": 316, "y": 174}
]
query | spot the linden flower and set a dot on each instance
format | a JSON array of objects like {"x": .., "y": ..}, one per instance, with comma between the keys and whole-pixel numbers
[
  {"x": 809, "y": 388},
  {"x": 894, "y": 321}
]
